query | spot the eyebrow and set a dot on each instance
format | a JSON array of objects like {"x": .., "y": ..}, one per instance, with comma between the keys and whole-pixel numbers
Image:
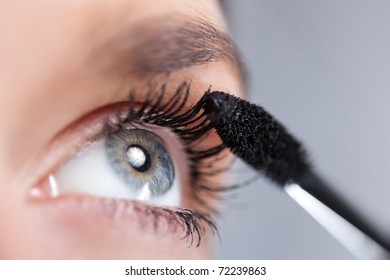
[{"x": 163, "y": 46}]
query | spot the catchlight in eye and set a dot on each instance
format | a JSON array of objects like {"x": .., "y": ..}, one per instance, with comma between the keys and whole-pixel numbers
[{"x": 139, "y": 157}]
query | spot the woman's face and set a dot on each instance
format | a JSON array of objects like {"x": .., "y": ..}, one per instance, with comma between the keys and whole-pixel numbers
[{"x": 84, "y": 172}]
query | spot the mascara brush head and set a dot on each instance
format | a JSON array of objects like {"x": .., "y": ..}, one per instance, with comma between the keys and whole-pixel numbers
[{"x": 256, "y": 137}]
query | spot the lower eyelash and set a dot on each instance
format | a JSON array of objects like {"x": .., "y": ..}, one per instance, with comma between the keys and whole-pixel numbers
[
  {"x": 192, "y": 127},
  {"x": 192, "y": 223}
]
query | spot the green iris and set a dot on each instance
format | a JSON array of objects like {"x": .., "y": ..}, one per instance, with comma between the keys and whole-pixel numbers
[{"x": 139, "y": 157}]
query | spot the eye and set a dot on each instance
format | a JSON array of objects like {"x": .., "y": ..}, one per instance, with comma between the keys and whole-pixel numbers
[
  {"x": 152, "y": 159},
  {"x": 129, "y": 163}
]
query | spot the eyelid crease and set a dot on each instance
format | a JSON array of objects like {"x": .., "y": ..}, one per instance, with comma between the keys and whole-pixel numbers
[{"x": 80, "y": 133}]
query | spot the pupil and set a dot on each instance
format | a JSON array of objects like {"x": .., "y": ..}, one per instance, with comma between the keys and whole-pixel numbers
[{"x": 138, "y": 158}]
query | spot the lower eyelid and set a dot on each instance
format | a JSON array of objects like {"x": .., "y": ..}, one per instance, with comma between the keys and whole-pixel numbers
[{"x": 128, "y": 217}]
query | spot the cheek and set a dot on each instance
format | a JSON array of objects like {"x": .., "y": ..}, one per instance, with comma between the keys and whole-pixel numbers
[{"x": 15, "y": 227}]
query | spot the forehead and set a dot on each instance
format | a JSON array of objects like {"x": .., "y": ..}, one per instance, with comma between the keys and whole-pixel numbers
[
  {"x": 57, "y": 25},
  {"x": 46, "y": 42},
  {"x": 93, "y": 18},
  {"x": 51, "y": 53},
  {"x": 45, "y": 34}
]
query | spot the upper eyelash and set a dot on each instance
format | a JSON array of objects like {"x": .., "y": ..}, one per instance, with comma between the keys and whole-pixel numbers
[{"x": 192, "y": 127}]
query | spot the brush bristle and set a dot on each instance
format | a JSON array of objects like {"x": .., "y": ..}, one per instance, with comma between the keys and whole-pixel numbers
[{"x": 256, "y": 137}]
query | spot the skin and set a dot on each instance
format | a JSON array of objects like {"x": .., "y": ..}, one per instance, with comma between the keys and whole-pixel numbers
[{"x": 50, "y": 85}]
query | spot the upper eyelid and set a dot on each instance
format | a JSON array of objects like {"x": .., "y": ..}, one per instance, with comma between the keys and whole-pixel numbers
[
  {"x": 94, "y": 124},
  {"x": 73, "y": 138},
  {"x": 89, "y": 128}
]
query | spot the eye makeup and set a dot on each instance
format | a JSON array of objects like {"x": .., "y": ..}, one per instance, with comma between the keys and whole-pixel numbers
[{"x": 192, "y": 129}]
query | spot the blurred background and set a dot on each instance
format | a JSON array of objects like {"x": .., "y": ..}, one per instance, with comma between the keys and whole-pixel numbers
[{"x": 323, "y": 69}]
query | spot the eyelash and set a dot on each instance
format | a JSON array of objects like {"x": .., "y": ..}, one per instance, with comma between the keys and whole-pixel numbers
[{"x": 191, "y": 127}]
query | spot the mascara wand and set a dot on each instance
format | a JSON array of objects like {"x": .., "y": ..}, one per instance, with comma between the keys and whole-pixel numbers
[{"x": 256, "y": 137}]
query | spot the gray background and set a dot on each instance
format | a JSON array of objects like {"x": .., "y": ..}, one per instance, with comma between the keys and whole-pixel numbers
[{"x": 323, "y": 69}]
